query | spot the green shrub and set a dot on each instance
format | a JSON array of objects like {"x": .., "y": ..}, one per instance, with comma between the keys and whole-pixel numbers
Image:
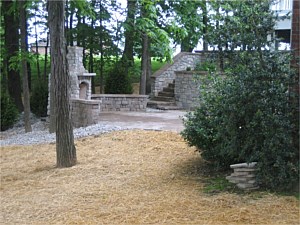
[
  {"x": 208, "y": 66},
  {"x": 9, "y": 112},
  {"x": 39, "y": 98},
  {"x": 118, "y": 81},
  {"x": 246, "y": 117}
]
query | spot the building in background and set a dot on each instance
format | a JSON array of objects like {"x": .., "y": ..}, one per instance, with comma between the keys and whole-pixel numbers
[
  {"x": 40, "y": 48},
  {"x": 283, "y": 26}
]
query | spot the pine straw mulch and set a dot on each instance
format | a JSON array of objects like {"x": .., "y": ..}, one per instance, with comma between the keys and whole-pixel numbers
[{"x": 133, "y": 177}]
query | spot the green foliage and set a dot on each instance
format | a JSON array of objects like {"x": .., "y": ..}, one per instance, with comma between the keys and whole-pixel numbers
[
  {"x": 245, "y": 24},
  {"x": 246, "y": 117},
  {"x": 39, "y": 98},
  {"x": 118, "y": 81},
  {"x": 245, "y": 114},
  {"x": 147, "y": 23},
  {"x": 188, "y": 25},
  {"x": 134, "y": 72},
  {"x": 9, "y": 112},
  {"x": 15, "y": 62},
  {"x": 206, "y": 66}
]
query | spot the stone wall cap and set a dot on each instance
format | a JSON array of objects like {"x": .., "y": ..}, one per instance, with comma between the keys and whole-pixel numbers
[
  {"x": 88, "y": 74},
  {"x": 243, "y": 165},
  {"x": 120, "y": 96},
  {"x": 86, "y": 101},
  {"x": 192, "y": 72}
]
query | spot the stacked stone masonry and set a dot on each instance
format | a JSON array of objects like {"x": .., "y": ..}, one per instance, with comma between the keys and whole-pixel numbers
[
  {"x": 187, "y": 84},
  {"x": 244, "y": 176},
  {"x": 85, "y": 112},
  {"x": 120, "y": 102},
  {"x": 166, "y": 75},
  {"x": 78, "y": 74}
]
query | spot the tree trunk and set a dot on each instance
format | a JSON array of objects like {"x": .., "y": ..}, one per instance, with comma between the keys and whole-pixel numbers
[
  {"x": 84, "y": 60},
  {"x": 185, "y": 45},
  {"x": 65, "y": 147},
  {"x": 78, "y": 38},
  {"x": 127, "y": 56},
  {"x": 37, "y": 49},
  {"x": 143, "y": 81},
  {"x": 205, "y": 24},
  {"x": 11, "y": 38},
  {"x": 148, "y": 69},
  {"x": 101, "y": 48},
  {"x": 71, "y": 26},
  {"x": 295, "y": 46},
  {"x": 46, "y": 57},
  {"x": 28, "y": 63},
  {"x": 24, "y": 67},
  {"x": 91, "y": 57},
  {"x": 66, "y": 23}
]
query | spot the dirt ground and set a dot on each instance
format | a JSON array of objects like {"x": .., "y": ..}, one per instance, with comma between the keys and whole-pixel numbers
[{"x": 126, "y": 177}]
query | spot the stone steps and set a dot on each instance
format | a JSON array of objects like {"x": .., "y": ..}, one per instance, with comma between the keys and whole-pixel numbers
[
  {"x": 166, "y": 94},
  {"x": 168, "y": 89},
  {"x": 165, "y": 99},
  {"x": 162, "y": 105}
]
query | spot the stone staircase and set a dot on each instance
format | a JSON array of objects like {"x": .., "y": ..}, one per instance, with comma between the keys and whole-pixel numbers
[{"x": 165, "y": 100}]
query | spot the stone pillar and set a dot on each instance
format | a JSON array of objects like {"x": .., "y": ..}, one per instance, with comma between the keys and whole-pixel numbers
[{"x": 76, "y": 68}]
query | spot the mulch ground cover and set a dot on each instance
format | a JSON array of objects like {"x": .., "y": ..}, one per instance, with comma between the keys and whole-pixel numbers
[{"x": 126, "y": 177}]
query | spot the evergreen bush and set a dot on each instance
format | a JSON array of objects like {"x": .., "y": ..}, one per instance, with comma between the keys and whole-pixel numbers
[
  {"x": 39, "y": 98},
  {"x": 118, "y": 81},
  {"x": 9, "y": 112},
  {"x": 246, "y": 117}
]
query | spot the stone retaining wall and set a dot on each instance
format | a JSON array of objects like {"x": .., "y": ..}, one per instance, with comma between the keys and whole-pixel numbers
[
  {"x": 166, "y": 74},
  {"x": 187, "y": 88},
  {"x": 85, "y": 112},
  {"x": 119, "y": 102}
]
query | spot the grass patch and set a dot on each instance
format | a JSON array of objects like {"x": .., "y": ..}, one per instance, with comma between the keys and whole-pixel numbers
[
  {"x": 108, "y": 65},
  {"x": 218, "y": 184}
]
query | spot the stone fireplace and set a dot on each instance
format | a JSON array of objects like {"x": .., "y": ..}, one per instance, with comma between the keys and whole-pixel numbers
[
  {"x": 84, "y": 111},
  {"x": 81, "y": 80}
]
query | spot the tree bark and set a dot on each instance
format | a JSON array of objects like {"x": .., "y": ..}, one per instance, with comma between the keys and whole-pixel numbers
[
  {"x": 46, "y": 58},
  {"x": 101, "y": 48},
  {"x": 11, "y": 39},
  {"x": 91, "y": 57},
  {"x": 37, "y": 49},
  {"x": 148, "y": 69},
  {"x": 129, "y": 33},
  {"x": 71, "y": 37},
  {"x": 143, "y": 81},
  {"x": 205, "y": 24},
  {"x": 24, "y": 67},
  {"x": 65, "y": 147}
]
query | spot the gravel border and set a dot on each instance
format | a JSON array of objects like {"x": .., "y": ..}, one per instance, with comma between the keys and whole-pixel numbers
[{"x": 40, "y": 133}]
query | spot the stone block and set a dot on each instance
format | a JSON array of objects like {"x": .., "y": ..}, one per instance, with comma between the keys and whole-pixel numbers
[
  {"x": 246, "y": 186},
  {"x": 243, "y": 165},
  {"x": 245, "y": 170}
]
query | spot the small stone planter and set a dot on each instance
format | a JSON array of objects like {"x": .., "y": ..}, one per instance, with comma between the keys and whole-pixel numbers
[{"x": 244, "y": 176}]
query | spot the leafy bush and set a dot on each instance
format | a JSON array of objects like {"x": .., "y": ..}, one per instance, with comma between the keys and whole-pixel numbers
[
  {"x": 208, "y": 66},
  {"x": 246, "y": 117},
  {"x": 9, "y": 112},
  {"x": 39, "y": 98},
  {"x": 118, "y": 81}
]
